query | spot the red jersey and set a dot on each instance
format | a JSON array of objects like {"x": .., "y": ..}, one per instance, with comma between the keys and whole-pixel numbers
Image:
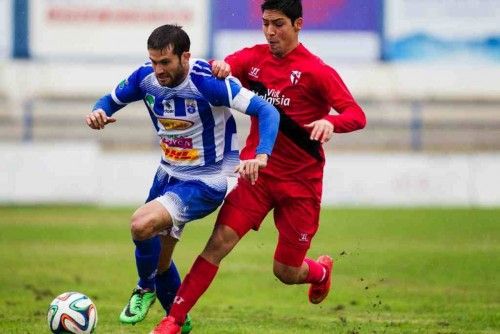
[{"x": 303, "y": 89}]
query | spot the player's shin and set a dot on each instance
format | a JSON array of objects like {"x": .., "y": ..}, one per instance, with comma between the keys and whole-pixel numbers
[
  {"x": 147, "y": 253},
  {"x": 193, "y": 286},
  {"x": 167, "y": 283}
]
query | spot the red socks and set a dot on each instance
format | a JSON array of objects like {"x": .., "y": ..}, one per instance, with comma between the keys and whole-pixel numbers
[
  {"x": 317, "y": 273},
  {"x": 193, "y": 286},
  {"x": 202, "y": 274}
]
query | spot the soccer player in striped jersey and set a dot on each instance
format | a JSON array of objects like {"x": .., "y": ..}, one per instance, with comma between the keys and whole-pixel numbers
[{"x": 190, "y": 110}]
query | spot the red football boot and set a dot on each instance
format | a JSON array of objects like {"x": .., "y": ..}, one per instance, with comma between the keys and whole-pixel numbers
[
  {"x": 319, "y": 291},
  {"x": 167, "y": 325}
]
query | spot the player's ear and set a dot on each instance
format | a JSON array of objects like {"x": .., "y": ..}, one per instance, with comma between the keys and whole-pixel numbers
[
  {"x": 185, "y": 57},
  {"x": 297, "y": 25}
]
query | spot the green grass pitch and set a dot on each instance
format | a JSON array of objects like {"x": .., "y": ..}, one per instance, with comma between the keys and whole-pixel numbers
[{"x": 397, "y": 271}]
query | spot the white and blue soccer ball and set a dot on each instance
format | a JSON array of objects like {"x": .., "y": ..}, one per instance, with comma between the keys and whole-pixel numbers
[{"x": 72, "y": 312}]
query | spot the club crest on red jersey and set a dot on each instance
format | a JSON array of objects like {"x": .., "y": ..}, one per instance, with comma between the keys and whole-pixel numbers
[{"x": 295, "y": 76}]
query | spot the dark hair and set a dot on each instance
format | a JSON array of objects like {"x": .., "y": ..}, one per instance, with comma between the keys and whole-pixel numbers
[
  {"x": 169, "y": 35},
  {"x": 291, "y": 8}
]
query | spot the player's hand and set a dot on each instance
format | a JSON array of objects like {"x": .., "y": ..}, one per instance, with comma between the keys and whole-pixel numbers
[
  {"x": 98, "y": 120},
  {"x": 322, "y": 130},
  {"x": 249, "y": 169},
  {"x": 221, "y": 69}
]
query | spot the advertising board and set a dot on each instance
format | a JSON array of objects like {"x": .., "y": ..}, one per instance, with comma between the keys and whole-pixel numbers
[{"x": 112, "y": 29}]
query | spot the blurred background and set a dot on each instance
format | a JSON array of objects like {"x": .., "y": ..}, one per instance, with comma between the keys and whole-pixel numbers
[{"x": 427, "y": 74}]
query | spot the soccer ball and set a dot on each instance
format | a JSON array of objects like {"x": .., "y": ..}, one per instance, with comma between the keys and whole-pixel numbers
[{"x": 72, "y": 312}]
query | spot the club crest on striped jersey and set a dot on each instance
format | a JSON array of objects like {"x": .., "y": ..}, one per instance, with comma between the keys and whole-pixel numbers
[
  {"x": 295, "y": 76},
  {"x": 168, "y": 106},
  {"x": 191, "y": 106}
]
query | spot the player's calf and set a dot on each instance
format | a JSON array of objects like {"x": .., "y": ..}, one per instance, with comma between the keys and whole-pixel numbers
[{"x": 286, "y": 274}]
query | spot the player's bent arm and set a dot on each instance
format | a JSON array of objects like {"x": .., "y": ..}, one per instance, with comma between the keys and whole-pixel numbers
[
  {"x": 268, "y": 117},
  {"x": 125, "y": 92},
  {"x": 350, "y": 116},
  {"x": 349, "y": 119}
]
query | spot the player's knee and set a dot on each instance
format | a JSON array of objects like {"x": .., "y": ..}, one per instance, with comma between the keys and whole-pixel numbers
[
  {"x": 140, "y": 227},
  {"x": 287, "y": 275}
]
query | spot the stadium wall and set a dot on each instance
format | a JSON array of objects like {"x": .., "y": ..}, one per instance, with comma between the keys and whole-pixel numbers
[{"x": 82, "y": 173}]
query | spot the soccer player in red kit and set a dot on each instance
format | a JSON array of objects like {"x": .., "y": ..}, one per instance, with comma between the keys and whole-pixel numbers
[{"x": 304, "y": 90}]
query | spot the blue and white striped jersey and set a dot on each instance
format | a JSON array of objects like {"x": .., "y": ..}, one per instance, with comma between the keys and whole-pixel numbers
[{"x": 196, "y": 129}]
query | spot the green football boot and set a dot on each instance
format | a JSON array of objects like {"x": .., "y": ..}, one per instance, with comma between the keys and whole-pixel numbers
[
  {"x": 138, "y": 306},
  {"x": 188, "y": 325}
]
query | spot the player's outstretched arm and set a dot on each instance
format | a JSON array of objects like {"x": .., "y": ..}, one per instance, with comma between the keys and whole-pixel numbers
[
  {"x": 249, "y": 169},
  {"x": 98, "y": 119},
  {"x": 125, "y": 92}
]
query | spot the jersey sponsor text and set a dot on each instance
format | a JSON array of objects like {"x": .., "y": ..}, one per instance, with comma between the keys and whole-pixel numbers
[{"x": 275, "y": 97}]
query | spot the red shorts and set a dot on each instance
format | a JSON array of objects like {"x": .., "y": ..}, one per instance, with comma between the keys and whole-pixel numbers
[{"x": 296, "y": 207}]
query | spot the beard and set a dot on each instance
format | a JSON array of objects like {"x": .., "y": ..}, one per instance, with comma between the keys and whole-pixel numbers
[{"x": 173, "y": 79}]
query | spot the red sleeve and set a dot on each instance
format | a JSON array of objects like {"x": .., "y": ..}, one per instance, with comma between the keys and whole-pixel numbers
[
  {"x": 238, "y": 62},
  {"x": 350, "y": 115}
]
